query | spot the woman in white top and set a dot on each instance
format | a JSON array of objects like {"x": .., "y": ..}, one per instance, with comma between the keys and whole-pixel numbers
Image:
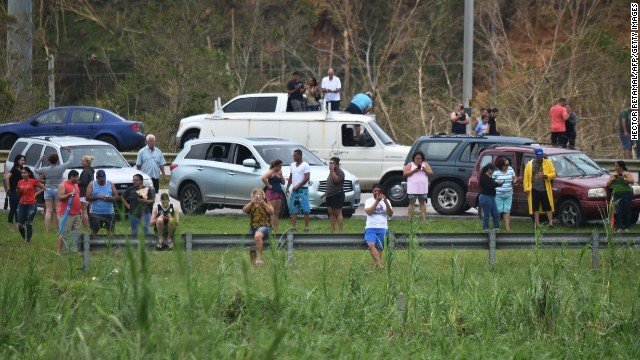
[
  {"x": 504, "y": 192},
  {"x": 417, "y": 173}
]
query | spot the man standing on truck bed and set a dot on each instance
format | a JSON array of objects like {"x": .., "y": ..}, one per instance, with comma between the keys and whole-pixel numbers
[
  {"x": 331, "y": 87},
  {"x": 295, "y": 88}
]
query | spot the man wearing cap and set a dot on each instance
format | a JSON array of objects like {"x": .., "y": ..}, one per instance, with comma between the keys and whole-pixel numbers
[
  {"x": 360, "y": 104},
  {"x": 537, "y": 185},
  {"x": 101, "y": 194},
  {"x": 295, "y": 89},
  {"x": 331, "y": 88}
]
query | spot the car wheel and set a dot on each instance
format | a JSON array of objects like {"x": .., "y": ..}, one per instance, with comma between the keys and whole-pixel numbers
[
  {"x": 394, "y": 191},
  {"x": 347, "y": 214},
  {"x": 571, "y": 213},
  {"x": 109, "y": 140},
  {"x": 191, "y": 200},
  {"x": 448, "y": 198},
  {"x": 7, "y": 141},
  {"x": 190, "y": 135}
]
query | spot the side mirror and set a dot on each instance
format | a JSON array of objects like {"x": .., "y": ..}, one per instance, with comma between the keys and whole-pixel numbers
[
  {"x": 34, "y": 123},
  {"x": 250, "y": 163}
]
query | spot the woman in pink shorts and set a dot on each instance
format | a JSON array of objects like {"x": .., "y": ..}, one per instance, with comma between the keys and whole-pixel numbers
[{"x": 273, "y": 181}]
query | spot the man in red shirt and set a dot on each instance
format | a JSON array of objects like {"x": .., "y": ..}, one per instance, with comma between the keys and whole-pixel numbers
[
  {"x": 558, "y": 115},
  {"x": 69, "y": 191}
]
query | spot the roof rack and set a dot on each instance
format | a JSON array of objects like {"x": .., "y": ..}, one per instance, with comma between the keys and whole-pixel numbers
[{"x": 466, "y": 136}]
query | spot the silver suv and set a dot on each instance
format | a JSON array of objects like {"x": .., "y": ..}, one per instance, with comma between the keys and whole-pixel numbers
[
  {"x": 106, "y": 157},
  {"x": 220, "y": 172}
]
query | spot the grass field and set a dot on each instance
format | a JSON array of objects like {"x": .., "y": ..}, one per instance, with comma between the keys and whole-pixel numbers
[{"x": 328, "y": 305}]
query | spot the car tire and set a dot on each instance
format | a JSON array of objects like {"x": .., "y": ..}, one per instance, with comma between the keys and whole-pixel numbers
[
  {"x": 395, "y": 193},
  {"x": 191, "y": 200},
  {"x": 109, "y": 140},
  {"x": 448, "y": 198},
  {"x": 347, "y": 214},
  {"x": 190, "y": 135},
  {"x": 7, "y": 141},
  {"x": 571, "y": 214}
]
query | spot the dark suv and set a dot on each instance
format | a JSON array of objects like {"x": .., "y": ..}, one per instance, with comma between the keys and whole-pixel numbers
[
  {"x": 580, "y": 188},
  {"x": 452, "y": 158}
]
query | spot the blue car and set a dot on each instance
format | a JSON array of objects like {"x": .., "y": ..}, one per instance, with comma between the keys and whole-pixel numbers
[{"x": 81, "y": 121}]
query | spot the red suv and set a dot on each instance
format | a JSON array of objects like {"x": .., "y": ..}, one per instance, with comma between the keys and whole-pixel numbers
[{"x": 580, "y": 188}]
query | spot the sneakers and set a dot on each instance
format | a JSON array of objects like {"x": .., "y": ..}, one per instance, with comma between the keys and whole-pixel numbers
[{"x": 306, "y": 229}]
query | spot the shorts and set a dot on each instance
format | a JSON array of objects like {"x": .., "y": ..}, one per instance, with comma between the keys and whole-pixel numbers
[
  {"x": 299, "y": 202},
  {"x": 273, "y": 195},
  {"x": 503, "y": 202},
  {"x": 336, "y": 201},
  {"x": 537, "y": 198},
  {"x": 419, "y": 196},
  {"x": 51, "y": 193},
  {"x": 265, "y": 230},
  {"x": 73, "y": 223},
  {"x": 84, "y": 200},
  {"x": 626, "y": 141},
  {"x": 375, "y": 235},
  {"x": 99, "y": 221}
]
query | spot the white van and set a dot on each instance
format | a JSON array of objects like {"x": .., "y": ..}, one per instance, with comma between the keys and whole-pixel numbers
[{"x": 362, "y": 146}]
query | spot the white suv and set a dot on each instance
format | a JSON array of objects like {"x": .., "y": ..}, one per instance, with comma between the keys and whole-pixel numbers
[{"x": 106, "y": 157}]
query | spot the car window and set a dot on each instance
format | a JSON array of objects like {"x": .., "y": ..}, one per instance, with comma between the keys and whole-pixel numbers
[
  {"x": 197, "y": 152},
  {"x": 240, "y": 105},
  {"x": 472, "y": 150},
  {"x": 33, "y": 154},
  {"x": 488, "y": 158},
  {"x": 285, "y": 153},
  {"x": 574, "y": 164},
  {"x": 218, "y": 152},
  {"x": 104, "y": 156},
  {"x": 85, "y": 116},
  {"x": 52, "y": 117},
  {"x": 17, "y": 149},
  {"x": 348, "y": 134},
  {"x": 438, "y": 150},
  {"x": 266, "y": 104},
  {"x": 243, "y": 153},
  {"x": 48, "y": 150}
]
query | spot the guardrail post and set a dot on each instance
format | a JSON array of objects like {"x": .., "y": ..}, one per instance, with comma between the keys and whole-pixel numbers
[
  {"x": 595, "y": 250},
  {"x": 492, "y": 248},
  {"x": 188, "y": 246},
  {"x": 86, "y": 252},
  {"x": 289, "y": 248}
]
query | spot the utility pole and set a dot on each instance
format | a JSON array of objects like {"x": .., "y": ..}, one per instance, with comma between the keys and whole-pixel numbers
[
  {"x": 52, "y": 81},
  {"x": 19, "y": 47},
  {"x": 467, "y": 63}
]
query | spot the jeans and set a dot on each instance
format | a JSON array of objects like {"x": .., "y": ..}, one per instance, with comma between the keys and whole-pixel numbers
[
  {"x": 26, "y": 213},
  {"x": 135, "y": 223},
  {"x": 623, "y": 209},
  {"x": 489, "y": 208},
  {"x": 14, "y": 199}
]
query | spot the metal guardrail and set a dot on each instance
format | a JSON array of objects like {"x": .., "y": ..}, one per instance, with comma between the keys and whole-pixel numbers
[{"x": 492, "y": 241}]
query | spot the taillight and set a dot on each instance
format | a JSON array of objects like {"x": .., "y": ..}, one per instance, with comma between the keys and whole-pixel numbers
[
  {"x": 173, "y": 166},
  {"x": 135, "y": 127}
]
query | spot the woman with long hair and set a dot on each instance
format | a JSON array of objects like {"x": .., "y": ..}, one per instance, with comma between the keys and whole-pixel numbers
[
  {"x": 27, "y": 189},
  {"x": 259, "y": 223},
  {"x": 86, "y": 177},
  {"x": 620, "y": 182},
  {"x": 54, "y": 174},
  {"x": 11, "y": 184},
  {"x": 313, "y": 94},
  {"x": 417, "y": 173},
  {"x": 273, "y": 181},
  {"x": 488, "y": 187}
]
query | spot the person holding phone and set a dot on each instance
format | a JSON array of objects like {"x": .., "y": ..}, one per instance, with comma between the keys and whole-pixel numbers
[
  {"x": 378, "y": 211},
  {"x": 487, "y": 197},
  {"x": 260, "y": 212},
  {"x": 165, "y": 219},
  {"x": 101, "y": 193},
  {"x": 335, "y": 194},
  {"x": 538, "y": 174},
  {"x": 136, "y": 200},
  {"x": 417, "y": 173},
  {"x": 620, "y": 182}
]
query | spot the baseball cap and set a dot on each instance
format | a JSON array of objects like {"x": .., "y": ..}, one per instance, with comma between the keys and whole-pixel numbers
[
  {"x": 539, "y": 153},
  {"x": 368, "y": 94},
  {"x": 100, "y": 175}
]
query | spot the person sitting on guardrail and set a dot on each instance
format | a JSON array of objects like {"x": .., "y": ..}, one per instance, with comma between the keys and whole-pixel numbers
[
  {"x": 378, "y": 209},
  {"x": 165, "y": 219},
  {"x": 259, "y": 222}
]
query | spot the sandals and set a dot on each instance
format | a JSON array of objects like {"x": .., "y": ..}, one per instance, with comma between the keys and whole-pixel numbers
[
  {"x": 170, "y": 243},
  {"x": 159, "y": 245}
]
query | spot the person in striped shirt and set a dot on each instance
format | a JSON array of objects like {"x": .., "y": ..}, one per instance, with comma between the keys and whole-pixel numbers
[{"x": 504, "y": 192}]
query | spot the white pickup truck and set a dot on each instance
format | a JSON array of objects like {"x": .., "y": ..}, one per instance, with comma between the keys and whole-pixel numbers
[
  {"x": 268, "y": 102},
  {"x": 362, "y": 146}
]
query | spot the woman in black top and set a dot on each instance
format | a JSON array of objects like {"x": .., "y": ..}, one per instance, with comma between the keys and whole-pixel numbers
[
  {"x": 11, "y": 184},
  {"x": 488, "y": 187},
  {"x": 86, "y": 177}
]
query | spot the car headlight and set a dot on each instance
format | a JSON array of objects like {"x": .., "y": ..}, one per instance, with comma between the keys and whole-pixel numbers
[
  {"x": 356, "y": 183},
  {"x": 636, "y": 189},
  {"x": 597, "y": 193},
  {"x": 147, "y": 183}
]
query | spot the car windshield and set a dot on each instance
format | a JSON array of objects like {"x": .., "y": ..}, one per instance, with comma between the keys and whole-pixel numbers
[
  {"x": 105, "y": 156},
  {"x": 386, "y": 139},
  {"x": 284, "y": 152},
  {"x": 575, "y": 164}
]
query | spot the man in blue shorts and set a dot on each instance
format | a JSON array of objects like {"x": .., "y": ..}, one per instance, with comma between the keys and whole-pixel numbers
[
  {"x": 298, "y": 184},
  {"x": 378, "y": 209}
]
